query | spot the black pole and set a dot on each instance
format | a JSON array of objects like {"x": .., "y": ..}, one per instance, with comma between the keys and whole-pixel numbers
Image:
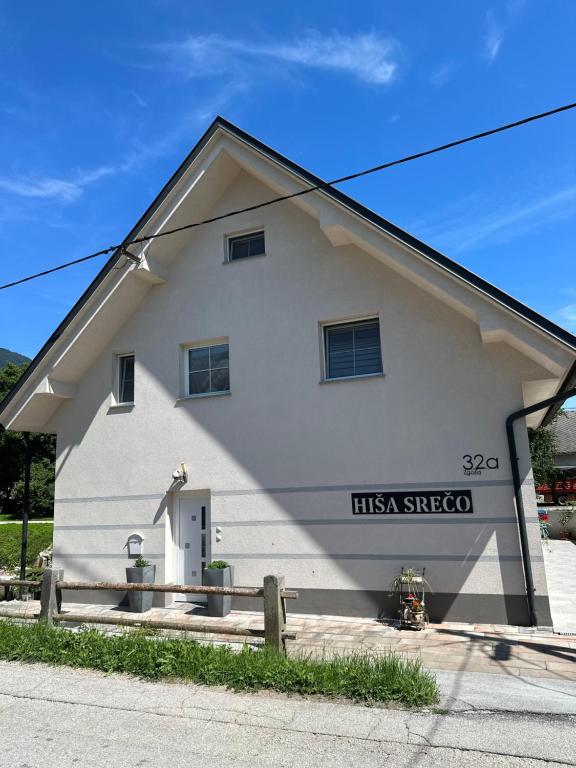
[
  {"x": 25, "y": 507},
  {"x": 517, "y": 480}
]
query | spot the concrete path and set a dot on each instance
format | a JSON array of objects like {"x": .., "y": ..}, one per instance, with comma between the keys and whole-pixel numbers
[
  {"x": 560, "y": 565},
  {"x": 478, "y": 691},
  {"x": 62, "y": 717}
]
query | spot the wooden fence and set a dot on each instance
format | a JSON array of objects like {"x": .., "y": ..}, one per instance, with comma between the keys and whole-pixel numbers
[{"x": 273, "y": 594}]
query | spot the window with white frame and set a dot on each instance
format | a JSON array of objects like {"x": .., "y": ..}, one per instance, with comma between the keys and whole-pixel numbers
[
  {"x": 246, "y": 245},
  {"x": 125, "y": 379},
  {"x": 352, "y": 349},
  {"x": 207, "y": 370}
]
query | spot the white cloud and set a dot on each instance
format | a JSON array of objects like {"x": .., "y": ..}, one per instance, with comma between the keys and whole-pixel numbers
[
  {"x": 367, "y": 56},
  {"x": 567, "y": 316},
  {"x": 493, "y": 38},
  {"x": 89, "y": 177},
  {"x": 471, "y": 227},
  {"x": 492, "y": 43},
  {"x": 443, "y": 74},
  {"x": 64, "y": 190},
  {"x": 179, "y": 135},
  {"x": 53, "y": 188},
  {"x": 138, "y": 99},
  {"x": 370, "y": 57},
  {"x": 41, "y": 187}
]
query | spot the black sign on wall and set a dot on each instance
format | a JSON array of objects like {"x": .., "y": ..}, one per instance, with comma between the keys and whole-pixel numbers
[{"x": 412, "y": 503}]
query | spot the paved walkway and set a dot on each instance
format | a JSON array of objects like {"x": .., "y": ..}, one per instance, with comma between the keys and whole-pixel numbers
[
  {"x": 503, "y": 650},
  {"x": 560, "y": 565}
]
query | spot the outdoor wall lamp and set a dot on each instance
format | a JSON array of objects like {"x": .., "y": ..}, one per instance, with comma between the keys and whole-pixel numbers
[{"x": 181, "y": 475}]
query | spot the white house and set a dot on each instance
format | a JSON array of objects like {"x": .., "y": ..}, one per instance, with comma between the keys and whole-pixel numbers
[{"x": 336, "y": 388}]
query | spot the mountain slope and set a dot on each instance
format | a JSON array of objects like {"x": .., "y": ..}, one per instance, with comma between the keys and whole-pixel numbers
[{"x": 7, "y": 356}]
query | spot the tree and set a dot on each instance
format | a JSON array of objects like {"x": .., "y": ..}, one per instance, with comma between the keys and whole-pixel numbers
[
  {"x": 12, "y": 457},
  {"x": 9, "y": 375},
  {"x": 41, "y": 489},
  {"x": 543, "y": 446}
]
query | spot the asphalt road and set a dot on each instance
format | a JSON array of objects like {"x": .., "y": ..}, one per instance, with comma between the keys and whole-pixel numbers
[{"x": 62, "y": 717}]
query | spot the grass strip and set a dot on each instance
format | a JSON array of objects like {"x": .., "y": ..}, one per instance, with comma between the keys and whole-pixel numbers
[
  {"x": 39, "y": 538},
  {"x": 361, "y": 677}
]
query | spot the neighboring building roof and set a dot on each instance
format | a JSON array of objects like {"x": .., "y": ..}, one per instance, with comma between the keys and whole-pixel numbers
[
  {"x": 564, "y": 427},
  {"x": 472, "y": 280}
]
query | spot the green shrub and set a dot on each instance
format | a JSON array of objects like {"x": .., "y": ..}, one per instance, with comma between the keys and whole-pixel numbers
[
  {"x": 39, "y": 538},
  {"x": 218, "y": 564},
  {"x": 361, "y": 677}
]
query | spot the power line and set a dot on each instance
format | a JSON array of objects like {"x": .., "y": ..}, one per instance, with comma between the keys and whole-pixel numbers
[{"x": 314, "y": 187}]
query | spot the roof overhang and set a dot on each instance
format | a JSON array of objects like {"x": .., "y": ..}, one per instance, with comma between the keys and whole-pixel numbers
[{"x": 221, "y": 154}]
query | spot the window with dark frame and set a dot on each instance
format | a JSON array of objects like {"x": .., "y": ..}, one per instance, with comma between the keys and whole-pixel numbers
[
  {"x": 208, "y": 370},
  {"x": 244, "y": 246},
  {"x": 352, "y": 349},
  {"x": 125, "y": 379},
  {"x": 204, "y": 536}
]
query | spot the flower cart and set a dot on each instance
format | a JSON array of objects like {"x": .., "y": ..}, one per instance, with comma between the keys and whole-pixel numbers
[{"x": 411, "y": 588}]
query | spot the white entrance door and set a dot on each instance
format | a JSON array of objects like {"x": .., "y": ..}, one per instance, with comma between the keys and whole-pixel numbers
[{"x": 192, "y": 541}]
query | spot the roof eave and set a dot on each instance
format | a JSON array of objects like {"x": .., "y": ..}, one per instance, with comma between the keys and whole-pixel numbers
[
  {"x": 110, "y": 264},
  {"x": 534, "y": 318},
  {"x": 568, "y": 383}
]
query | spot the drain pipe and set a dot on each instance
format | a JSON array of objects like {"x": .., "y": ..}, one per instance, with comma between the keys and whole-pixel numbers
[{"x": 514, "y": 461}]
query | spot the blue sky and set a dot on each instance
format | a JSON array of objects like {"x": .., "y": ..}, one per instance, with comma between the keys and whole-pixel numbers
[{"x": 100, "y": 102}]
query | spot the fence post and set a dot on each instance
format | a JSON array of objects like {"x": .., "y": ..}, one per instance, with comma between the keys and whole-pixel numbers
[
  {"x": 50, "y": 598},
  {"x": 274, "y": 617}
]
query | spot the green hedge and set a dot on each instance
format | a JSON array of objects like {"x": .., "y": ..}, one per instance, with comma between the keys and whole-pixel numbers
[
  {"x": 361, "y": 677},
  {"x": 39, "y": 538}
]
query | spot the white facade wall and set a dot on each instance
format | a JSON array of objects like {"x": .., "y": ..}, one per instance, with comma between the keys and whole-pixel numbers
[{"x": 282, "y": 453}]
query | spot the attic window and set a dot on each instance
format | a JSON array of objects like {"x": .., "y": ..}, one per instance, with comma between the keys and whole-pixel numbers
[
  {"x": 125, "y": 379},
  {"x": 246, "y": 245}
]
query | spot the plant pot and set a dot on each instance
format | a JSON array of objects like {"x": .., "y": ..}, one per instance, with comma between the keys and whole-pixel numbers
[
  {"x": 140, "y": 602},
  {"x": 219, "y": 605},
  {"x": 564, "y": 535}
]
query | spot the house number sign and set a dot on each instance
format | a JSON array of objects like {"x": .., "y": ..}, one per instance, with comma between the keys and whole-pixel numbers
[{"x": 410, "y": 503}]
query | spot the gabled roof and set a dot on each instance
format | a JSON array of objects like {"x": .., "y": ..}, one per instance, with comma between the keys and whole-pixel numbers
[
  {"x": 565, "y": 430},
  {"x": 474, "y": 281}
]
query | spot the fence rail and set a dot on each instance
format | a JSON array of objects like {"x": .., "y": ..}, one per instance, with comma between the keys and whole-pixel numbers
[
  {"x": 191, "y": 589},
  {"x": 7, "y": 583},
  {"x": 273, "y": 594}
]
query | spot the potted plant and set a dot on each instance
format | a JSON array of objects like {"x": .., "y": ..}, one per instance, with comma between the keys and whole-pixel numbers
[
  {"x": 416, "y": 613},
  {"x": 410, "y": 586},
  {"x": 218, "y": 573},
  {"x": 407, "y": 578},
  {"x": 142, "y": 572},
  {"x": 564, "y": 520}
]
